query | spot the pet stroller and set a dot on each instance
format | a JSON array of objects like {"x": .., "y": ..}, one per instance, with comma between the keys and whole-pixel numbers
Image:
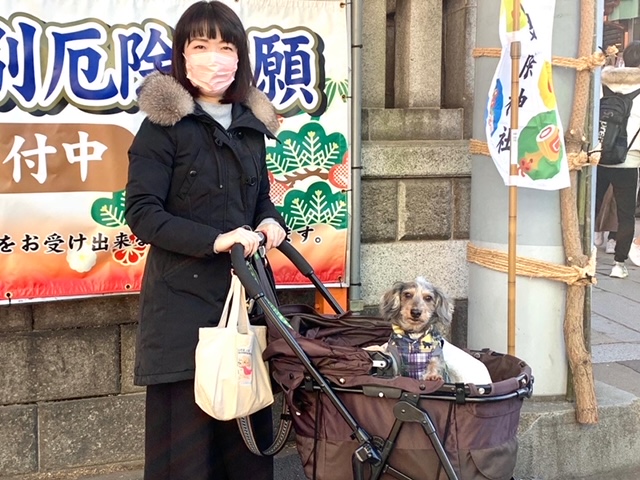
[{"x": 354, "y": 418}]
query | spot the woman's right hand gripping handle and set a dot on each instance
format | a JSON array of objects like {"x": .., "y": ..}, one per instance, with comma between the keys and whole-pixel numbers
[{"x": 248, "y": 239}]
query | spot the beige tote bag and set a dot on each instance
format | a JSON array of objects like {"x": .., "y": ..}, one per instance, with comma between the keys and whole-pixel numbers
[{"x": 231, "y": 379}]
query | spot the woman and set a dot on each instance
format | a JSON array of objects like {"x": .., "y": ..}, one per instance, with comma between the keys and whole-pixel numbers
[
  {"x": 623, "y": 177},
  {"x": 197, "y": 180}
]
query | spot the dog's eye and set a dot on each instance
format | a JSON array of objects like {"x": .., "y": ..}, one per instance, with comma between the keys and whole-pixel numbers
[
  {"x": 406, "y": 294},
  {"x": 428, "y": 298}
]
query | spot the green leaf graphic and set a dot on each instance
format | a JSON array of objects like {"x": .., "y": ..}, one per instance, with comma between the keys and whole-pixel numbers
[
  {"x": 336, "y": 90},
  {"x": 109, "y": 211},
  {"x": 318, "y": 205},
  {"x": 309, "y": 148},
  {"x": 343, "y": 90}
]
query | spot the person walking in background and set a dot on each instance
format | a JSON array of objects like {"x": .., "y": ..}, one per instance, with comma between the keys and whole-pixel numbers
[
  {"x": 623, "y": 177},
  {"x": 197, "y": 185},
  {"x": 634, "y": 252}
]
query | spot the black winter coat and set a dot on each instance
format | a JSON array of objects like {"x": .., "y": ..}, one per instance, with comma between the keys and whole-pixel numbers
[{"x": 189, "y": 181}]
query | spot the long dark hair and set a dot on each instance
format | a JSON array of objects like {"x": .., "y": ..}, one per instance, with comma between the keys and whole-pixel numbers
[
  {"x": 631, "y": 54},
  {"x": 205, "y": 19}
]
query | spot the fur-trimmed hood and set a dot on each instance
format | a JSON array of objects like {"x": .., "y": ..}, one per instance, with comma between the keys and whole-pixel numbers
[
  {"x": 621, "y": 79},
  {"x": 166, "y": 102}
]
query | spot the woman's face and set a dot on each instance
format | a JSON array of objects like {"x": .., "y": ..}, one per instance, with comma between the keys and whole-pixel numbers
[{"x": 211, "y": 65}]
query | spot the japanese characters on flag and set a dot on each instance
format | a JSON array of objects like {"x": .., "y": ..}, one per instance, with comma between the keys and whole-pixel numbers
[
  {"x": 540, "y": 149},
  {"x": 69, "y": 72}
]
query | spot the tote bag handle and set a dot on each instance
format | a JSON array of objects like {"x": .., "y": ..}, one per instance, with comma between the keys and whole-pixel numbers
[{"x": 234, "y": 313}]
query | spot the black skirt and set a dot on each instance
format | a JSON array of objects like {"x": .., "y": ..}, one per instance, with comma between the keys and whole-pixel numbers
[{"x": 184, "y": 443}]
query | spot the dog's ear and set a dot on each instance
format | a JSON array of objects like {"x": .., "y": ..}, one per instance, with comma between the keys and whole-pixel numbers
[
  {"x": 444, "y": 306},
  {"x": 390, "y": 302}
]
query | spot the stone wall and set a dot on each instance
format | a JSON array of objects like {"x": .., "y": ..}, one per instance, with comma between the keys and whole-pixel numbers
[
  {"x": 415, "y": 156},
  {"x": 67, "y": 398}
]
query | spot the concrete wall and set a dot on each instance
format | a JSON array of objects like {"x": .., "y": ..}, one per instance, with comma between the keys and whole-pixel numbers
[{"x": 67, "y": 400}]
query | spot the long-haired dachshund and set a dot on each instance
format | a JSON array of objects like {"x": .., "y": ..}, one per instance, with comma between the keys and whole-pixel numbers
[{"x": 420, "y": 315}]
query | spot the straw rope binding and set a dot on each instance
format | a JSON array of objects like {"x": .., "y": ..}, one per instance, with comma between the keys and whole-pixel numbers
[
  {"x": 590, "y": 62},
  {"x": 477, "y": 147},
  {"x": 529, "y": 267}
]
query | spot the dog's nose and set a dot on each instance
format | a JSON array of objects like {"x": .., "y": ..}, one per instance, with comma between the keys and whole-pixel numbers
[{"x": 416, "y": 312}]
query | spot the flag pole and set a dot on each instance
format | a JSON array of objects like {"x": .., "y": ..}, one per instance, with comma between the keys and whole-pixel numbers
[{"x": 513, "y": 187}]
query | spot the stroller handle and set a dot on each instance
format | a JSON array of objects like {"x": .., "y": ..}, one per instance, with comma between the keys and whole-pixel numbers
[
  {"x": 253, "y": 288},
  {"x": 242, "y": 271},
  {"x": 296, "y": 258},
  {"x": 292, "y": 254},
  {"x": 250, "y": 284},
  {"x": 306, "y": 269}
]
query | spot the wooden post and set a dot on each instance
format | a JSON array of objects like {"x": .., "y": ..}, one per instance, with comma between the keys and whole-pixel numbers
[{"x": 513, "y": 187}]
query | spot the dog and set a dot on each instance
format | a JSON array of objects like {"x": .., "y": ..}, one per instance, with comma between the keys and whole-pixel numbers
[{"x": 420, "y": 316}]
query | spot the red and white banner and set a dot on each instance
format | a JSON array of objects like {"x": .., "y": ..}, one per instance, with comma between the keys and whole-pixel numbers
[{"x": 69, "y": 72}]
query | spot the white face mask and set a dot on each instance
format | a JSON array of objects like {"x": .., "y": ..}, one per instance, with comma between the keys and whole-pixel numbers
[{"x": 211, "y": 72}]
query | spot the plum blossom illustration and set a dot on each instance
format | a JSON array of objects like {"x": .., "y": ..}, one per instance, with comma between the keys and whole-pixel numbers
[{"x": 82, "y": 260}]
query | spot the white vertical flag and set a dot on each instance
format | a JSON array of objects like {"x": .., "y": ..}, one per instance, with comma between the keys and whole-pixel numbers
[{"x": 541, "y": 154}]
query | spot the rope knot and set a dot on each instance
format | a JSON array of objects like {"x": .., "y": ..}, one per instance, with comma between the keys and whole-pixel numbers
[{"x": 578, "y": 160}]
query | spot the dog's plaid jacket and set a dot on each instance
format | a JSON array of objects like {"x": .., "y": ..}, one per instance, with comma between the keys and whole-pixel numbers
[{"x": 413, "y": 355}]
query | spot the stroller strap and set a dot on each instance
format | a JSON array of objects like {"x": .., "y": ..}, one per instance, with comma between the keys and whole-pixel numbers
[
  {"x": 280, "y": 438},
  {"x": 245, "y": 426}
]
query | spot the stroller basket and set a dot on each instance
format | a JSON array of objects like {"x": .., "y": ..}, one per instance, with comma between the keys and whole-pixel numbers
[{"x": 353, "y": 420}]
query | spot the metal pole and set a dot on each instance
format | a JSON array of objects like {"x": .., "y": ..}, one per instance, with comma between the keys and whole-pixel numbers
[
  {"x": 513, "y": 188},
  {"x": 355, "y": 285}
]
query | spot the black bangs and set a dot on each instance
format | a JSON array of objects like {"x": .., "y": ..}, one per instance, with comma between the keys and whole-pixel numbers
[{"x": 211, "y": 22}]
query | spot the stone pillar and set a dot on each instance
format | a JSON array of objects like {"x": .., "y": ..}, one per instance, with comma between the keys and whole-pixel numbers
[
  {"x": 374, "y": 34},
  {"x": 539, "y": 303},
  {"x": 418, "y": 53},
  {"x": 459, "y": 37}
]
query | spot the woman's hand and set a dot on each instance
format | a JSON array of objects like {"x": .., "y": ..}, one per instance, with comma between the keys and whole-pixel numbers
[
  {"x": 273, "y": 232},
  {"x": 248, "y": 239}
]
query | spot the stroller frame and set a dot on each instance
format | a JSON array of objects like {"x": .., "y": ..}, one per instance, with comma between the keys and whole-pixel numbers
[{"x": 371, "y": 451}]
